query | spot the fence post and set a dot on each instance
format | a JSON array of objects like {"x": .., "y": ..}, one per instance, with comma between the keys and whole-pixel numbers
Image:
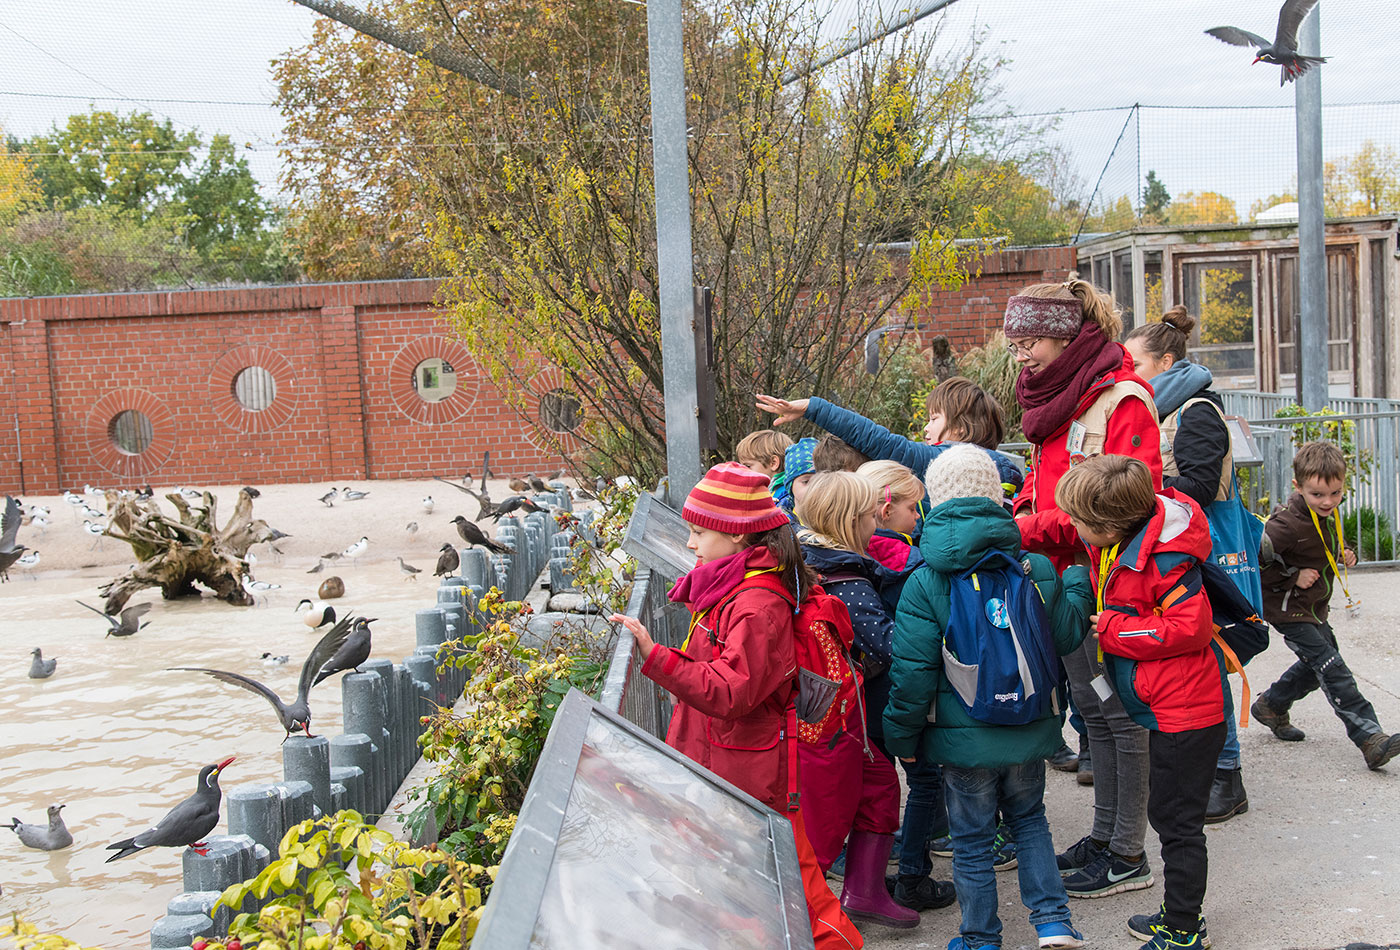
[
  {"x": 256, "y": 811},
  {"x": 309, "y": 760},
  {"x": 351, "y": 765},
  {"x": 365, "y": 713}
]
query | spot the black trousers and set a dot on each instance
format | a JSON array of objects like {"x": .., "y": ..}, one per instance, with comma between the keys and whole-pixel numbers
[
  {"x": 1181, "y": 768},
  {"x": 1320, "y": 665}
]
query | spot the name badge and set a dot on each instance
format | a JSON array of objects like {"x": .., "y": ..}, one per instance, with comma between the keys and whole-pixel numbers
[{"x": 1074, "y": 442}]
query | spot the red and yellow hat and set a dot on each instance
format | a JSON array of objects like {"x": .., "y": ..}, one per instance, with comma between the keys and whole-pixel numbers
[{"x": 733, "y": 499}]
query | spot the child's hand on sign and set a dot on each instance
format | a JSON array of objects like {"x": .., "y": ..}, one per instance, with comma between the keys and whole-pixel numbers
[
  {"x": 1348, "y": 557},
  {"x": 645, "y": 644},
  {"x": 1306, "y": 578}
]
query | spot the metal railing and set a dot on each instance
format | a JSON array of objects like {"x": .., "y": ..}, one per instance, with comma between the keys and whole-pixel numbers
[{"x": 626, "y": 690}]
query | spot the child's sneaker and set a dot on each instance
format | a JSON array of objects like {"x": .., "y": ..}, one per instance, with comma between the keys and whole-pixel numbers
[
  {"x": 1060, "y": 936},
  {"x": 1003, "y": 850},
  {"x": 1108, "y": 874},
  {"x": 941, "y": 847},
  {"x": 1169, "y": 938},
  {"x": 1145, "y": 928},
  {"x": 837, "y": 871},
  {"x": 1078, "y": 856},
  {"x": 922, "y": 893}
]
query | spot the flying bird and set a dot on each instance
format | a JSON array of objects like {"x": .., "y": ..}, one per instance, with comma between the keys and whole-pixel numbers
[
  {"x": 40, "y": 668},
  {"x": 483, "y": 499},
  {"x": 353, "y": 652},
  {"x": 129, "y": 621},
  {"x": 1283, "y": 51},
  {"x": 317, "y": 613},
  {"x": 51, "y": 837},
  {"x": 473, "y": 535},
  {"x": 448, "y": 561},
  {"x": 294, "y": 716},
  {"x": 184, "y": 825},
  {"x": 10, "y": 551}
]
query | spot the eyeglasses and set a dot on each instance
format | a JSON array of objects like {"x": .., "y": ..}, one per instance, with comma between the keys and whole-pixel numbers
[{"x": 1024, "y": 348}]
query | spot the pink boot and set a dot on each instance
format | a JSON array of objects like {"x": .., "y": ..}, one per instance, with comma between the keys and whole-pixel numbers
[{"x": 864, "y": 896}]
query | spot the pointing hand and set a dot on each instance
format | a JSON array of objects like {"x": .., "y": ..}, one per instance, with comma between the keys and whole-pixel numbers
[{"x": 786, "y": 410}]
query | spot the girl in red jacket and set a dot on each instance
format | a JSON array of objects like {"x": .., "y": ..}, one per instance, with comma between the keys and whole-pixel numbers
[
  {"x": 734, "y": 678},
  {"x": 1153, "y": 625}
]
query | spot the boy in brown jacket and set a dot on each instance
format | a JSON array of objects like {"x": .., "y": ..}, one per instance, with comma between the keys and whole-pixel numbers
[{"x": 1307, "y": 546}]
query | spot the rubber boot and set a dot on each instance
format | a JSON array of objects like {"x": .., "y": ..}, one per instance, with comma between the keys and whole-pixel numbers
[
  {"x": 1227, "y": 796},
  {"x": 864, "y": 896}
]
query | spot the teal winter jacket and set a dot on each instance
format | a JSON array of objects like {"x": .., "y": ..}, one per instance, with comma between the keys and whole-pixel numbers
[{"x": 956, "y": 535}]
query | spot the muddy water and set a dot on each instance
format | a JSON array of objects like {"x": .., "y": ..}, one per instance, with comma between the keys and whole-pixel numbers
[{"x": 119, "y": 740}]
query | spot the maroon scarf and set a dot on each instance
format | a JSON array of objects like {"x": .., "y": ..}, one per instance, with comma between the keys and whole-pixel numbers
[{"x": 1051, "y": 396}]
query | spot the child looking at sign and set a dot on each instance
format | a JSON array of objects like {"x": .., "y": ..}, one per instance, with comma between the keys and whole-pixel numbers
[{"x": 1306, "y": 538}]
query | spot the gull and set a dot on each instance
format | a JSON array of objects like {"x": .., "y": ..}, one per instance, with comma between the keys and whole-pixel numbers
[
  {"x": 51, "y": 837},
  {"x": 448, "y": 561},
  {"x": 129, "y": 622},
  {"x": 474, "y": 535},
  {"x": 40, "y": 668}
]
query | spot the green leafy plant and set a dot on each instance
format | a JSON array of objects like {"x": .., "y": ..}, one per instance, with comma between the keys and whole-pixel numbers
[
  {"x": 25, "y": 936},
  {"x": 341, "y": 884},
  {"x": 602, "y": 577},
  {"x": 1341, "y": 431},
  {"x": 1369, "y": 533}
]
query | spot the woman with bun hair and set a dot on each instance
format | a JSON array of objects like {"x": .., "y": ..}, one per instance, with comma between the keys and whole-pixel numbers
[
  {"x": 1196, "y": 460},
  {"x": 1081, "y": 398}
]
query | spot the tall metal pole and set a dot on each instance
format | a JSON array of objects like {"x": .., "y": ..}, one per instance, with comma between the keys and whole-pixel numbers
[
  {"x": 675, "y": 270},
  {"x": 1312, "y": 244}
]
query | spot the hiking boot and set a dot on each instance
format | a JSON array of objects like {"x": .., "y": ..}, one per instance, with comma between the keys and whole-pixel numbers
[
  {"x": 941, "y": 847},
  {"x": 1078, "y": 856},
  {"x": 1003, "y": 850},
  {"x": 1277, "y": 720},
  {"x": 1108, "y": 874},
  {"x": 1085, "y": 770},
  {"x": 1058, "y": 936},
  {"x": 1145, "y": 928},
  {"x": 922, "y": 892},
  {"x": 1227, "y": 797},
  {"x": 1065, "y": 759},
  {"x": 1380, "y": 749}
]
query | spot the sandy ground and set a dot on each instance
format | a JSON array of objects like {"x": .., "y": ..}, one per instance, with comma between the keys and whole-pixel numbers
[{"x": 119, "y": 740}]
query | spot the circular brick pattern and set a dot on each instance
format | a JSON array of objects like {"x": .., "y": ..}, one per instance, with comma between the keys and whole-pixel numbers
[
  {"x": 125, "y": 465},
  {"x": 541, "y": 385},
  {"x": 224, "y": 402},
  {"x": 448, "y": 409}
]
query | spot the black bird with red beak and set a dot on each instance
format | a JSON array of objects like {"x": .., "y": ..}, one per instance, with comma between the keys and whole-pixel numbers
[
  {"x": 185, "y": 825},
  {"x": 1283, "y": 51}
]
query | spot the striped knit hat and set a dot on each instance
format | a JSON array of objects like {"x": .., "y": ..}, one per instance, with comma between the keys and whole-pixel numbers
[{"x": 732, "y": 499}]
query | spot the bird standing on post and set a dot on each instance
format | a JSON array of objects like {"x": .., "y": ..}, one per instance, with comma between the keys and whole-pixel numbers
[
  {"x": 353, "y": 652},
  {"x": 473, "y": 535},
  {"x": 294, "y": 716},
  {"x": 185, "y": 824},
  {"x": 40, "y": 668},
  {"x": 1283, "y": 51},
  {"x": 448, "y": 561},
  {"x": 51, "y": 837}
]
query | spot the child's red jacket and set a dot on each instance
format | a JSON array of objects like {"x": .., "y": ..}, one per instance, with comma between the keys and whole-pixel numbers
[
  {"x": 733, "y": 684},
  {"x": 1155, "y": 626}
]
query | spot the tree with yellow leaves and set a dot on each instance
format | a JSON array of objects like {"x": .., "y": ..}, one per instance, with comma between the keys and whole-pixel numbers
[{"x": 19, "y": 191}]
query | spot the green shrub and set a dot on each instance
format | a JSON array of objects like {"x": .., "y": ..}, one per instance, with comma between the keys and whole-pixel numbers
[{"x": 1369, "y": 533}]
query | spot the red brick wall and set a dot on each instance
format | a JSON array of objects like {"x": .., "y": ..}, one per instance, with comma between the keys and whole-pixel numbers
[{"x": 342, "y": 357}]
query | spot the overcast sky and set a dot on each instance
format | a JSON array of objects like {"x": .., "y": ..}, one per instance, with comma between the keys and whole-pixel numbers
[{"x": 1076, "y": 54}]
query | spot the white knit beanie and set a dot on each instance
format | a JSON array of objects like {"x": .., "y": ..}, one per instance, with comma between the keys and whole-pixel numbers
[{"x": 963, "y": 471}]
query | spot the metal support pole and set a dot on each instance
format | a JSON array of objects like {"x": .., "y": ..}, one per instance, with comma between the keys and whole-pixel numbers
[
  {"x": 1312, "y": 242},
  {"x": 674, "y": 256}
]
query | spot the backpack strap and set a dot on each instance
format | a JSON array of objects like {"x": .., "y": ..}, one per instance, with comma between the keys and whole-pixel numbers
[
  {"x": 1233, "y": 665},
  {"x": 1172, "y": 424}
]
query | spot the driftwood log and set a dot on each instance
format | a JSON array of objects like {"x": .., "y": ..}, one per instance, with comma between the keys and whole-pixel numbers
[{"x": 175, "y": 555}]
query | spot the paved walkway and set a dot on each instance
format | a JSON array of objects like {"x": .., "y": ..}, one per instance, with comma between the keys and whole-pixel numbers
[{"x": 1316, "y": 860}]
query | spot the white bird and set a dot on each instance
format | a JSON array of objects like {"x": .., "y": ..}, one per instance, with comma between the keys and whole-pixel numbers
[
  {"x": 40, "y": 522},
  {"x": 189, "y": 494},
  {"x": 90, "y": 512},
  {"x": 39, "y": 511},
  {"x": 328, "y": 499},
  {"x": 351, "y": 494},
  {"x": 29, "y": 561},
  {"x": 93, "y": 492},
  {"x": 73, "y": 501},
  {"x": 317, "y": 614},
  {"x": 270, "y": 660},
  {"x": 428, "y": 503},
  {"x": 411, "y": 528},
  {"x": 97, "y": 531},
  {"x": 354, "y": 551},
  {"x": 251, "y": 558},
  {"x": 258, "y": 589}
]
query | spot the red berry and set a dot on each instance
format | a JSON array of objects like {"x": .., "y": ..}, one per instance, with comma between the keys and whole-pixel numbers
[
  {"x": 199, "y": 945},
  {"x": 360, "y": 945},
  {"x": 233, "y": 944}
]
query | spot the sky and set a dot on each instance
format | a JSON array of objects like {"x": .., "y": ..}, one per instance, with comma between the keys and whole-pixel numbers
[{"x": 205, "y": 65}]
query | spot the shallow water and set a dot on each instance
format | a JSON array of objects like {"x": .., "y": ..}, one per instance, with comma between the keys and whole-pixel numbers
[{"x": 119, "y": 740}]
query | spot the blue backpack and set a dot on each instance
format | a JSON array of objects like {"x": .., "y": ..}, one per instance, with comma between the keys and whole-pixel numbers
[{"x": 998, "y": 653}]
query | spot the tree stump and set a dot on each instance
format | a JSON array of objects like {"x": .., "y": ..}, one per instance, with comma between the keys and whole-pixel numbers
[{"x": 176, "y": 555}]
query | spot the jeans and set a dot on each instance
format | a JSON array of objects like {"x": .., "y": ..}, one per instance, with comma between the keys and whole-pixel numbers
[
  {"x": 1320, "y": 664},
  {"x": 1230, "y": 752},
  {"x": 974, "y": 796},
  {"x": 1183, "y": 768},
  {"x": 1118, "y": 748},
  {"x": 925, "y": 816}
]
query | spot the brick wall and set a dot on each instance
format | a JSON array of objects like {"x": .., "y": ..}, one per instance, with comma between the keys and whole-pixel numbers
[{"x": 341, "y": 357}]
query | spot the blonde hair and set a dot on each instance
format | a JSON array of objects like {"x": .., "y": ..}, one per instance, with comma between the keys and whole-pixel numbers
[
  {"x": 1109, "y": 493},
  {"x": 832, "y": 508},
  {"x": 1098, "y": 306},
  {"x": 761, "y": 446},
  {"x": 891, "y": 481}
]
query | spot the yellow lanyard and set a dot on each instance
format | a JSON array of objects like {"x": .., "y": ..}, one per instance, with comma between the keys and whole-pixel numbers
[
  {"x": 1106, "y": 559},
  {"x": 696, "y": 618},
  {"x": 1338, "y": 572}
]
